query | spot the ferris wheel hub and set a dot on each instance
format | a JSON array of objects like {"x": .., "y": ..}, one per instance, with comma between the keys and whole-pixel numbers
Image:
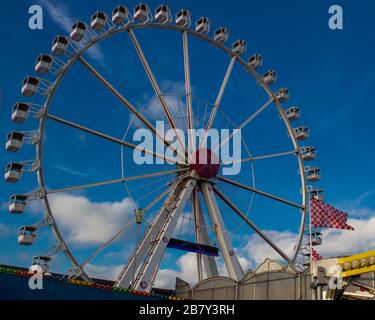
[{"x": 205, "y": 163}]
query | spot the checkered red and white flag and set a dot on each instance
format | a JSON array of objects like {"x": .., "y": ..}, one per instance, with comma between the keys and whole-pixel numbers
[
  {"x": 325, "y": 216},
  {"x": 315, "y": 255}
]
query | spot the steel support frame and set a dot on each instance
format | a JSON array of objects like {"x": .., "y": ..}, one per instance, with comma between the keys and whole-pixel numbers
[
  {"x": 148, "y": 271},
  {"x": 201, "y": 237},
  {"x": 126, "y": 275},
  {"x": 231, "y": 261}
]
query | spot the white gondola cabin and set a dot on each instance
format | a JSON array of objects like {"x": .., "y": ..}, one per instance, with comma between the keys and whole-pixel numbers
[
  {"x": 78, "y": 31},
  {"x": 269, "y": 77},
  {"x": 313, "y": 173},
  {"x": 317, "y": 194},
  {"x": 316, "y": 238},
  {"x": 221, "y": 35},
  {"x": 59, "y": 45},
  {"x": 40, "y": 263},
  {"x": 308, "y": 153},
  {"x": 141, "y": 13},
  {"x": 239, "y": 47},
  {"x": 29, "y": 86},
  {"x": 98, "y": 21},
  {"x": 255, "y": 61},
  {"x": 43, "y": 64},
  {"x": 17, "y": 204},
  {"x": 14, "y": 141},
  {"x": 13, "y": 172},
  {"x": 20, "y": 112},
  {"x": 26, "y": 235},
  {"x": 183, "y": 18},
  {"x": 119, "y": 15},
  {"x": 293, "y": 113},
  {"x": 163, "y": 14},
  {"x": 282, "y": 95},
  {"x": 203, "y": 25},
  {"x": 301, "y": 133}
]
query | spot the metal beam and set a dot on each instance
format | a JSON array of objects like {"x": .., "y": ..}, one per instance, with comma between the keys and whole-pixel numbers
[
  {"x": 252, "y": 225},
  {"x": 107, "y": 243},
  {"x": 126, "y": 275},
  {"x": 188, "y": 90},
  {"x": 155, "y": 85},
  {"x": 148, "y": 271},
  {"x": 124, "y": 102},
  {"x": 263, "y": 157},
  {"x": 105, "y": 136},
  {"x": 201, "y": 236},
  {"x": 121, "y": 231},
  {"x": 231, "y": 262},
  {"x": 196, "y": 233},
  {"x": 246, "y": 122},
  {"x": 221, "y": 93},
  {"x": 108, "y": 182},
  {"x": 255, "y": 114},
  {"x": 262, "y": 193}
]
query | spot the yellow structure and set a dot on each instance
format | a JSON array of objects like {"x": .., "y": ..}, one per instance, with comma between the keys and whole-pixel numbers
[{"x": 357, "y": 264}]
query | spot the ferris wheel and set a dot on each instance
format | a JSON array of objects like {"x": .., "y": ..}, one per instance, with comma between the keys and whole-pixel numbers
[{"x": 188, "y": 191}]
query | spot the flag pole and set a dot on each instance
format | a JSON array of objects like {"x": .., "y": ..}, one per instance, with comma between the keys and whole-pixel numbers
[{"x": 310, "y": 247}]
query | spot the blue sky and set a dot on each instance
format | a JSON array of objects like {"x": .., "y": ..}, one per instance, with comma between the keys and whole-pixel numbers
[{"x": 330, "y": 74}]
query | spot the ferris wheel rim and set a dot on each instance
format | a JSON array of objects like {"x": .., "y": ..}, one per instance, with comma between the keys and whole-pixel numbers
[{"x": 204, "y": 37}]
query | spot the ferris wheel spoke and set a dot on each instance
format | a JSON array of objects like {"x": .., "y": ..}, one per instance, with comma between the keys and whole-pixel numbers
[
  {"x": 156, "y": 87},
  {"x": 107, "y": 137},
  {"x": 108, "y": 243},
  {"x": 262, "y": 157},
  {"x": 122, "y": 230},
  {"x": 251, "y": 224},
  {"x": 255, "y": 114},
  {"x": 188, "y": 86},
  {"x": 115, "y": 181},
  {"x": 126, "y": 103},
  {"x": 246, "y": 122},
  {"x": 260, "y": 192},
  {"x": 219, "y": 97}
]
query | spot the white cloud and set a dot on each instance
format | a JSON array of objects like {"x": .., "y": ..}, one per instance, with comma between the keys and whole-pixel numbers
[
  {"x": 356, "y": 206},
  {"x": 187, "y": 270},
  {"x": 61, "y": 15},
  {"x": 245, "y": 263},
  {"x": 166, "y": 278},
  {"x": 103, "y": 272},
  {"x": 257, "y": 250},
  {"x": 154, "y": 111},
  {"x": 342, "y": 242},
  {"x": 90, "y": 223},
  {"x": 335, "y": 242},
  {"x": 70, "y": 171}
]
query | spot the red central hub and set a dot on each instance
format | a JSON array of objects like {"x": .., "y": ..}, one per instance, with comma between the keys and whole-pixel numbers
[{"x": 205, "y": 163}]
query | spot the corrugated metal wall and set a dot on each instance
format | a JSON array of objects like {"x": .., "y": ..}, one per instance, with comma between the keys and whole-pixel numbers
[{"x": 271, "y": 281}]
